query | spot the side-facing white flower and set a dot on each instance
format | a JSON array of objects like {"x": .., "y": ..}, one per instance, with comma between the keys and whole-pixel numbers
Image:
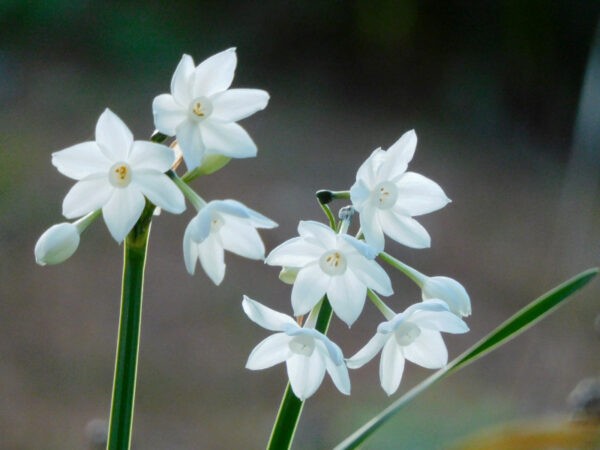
[
  {"x": 56, "y": 244},
  {"x": 338, "y": 265},
  {"x": 450, "y": 291},
  {"x": 307, "y": 353},
  {"x": 413, "y": 335},
  {"x": 223, "y": 225},
  {"x": 387, "y": 197},
  {"x": 201, "y": 110},
  {"x": 115, "y": 173}
]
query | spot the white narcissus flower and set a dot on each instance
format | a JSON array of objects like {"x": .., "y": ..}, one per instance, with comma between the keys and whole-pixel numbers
[
  {"x": 413, "y": 335},
  {"x": 387, "y": 196},
  {"x": 338, "y": 265},
  {"x": 223, "y": 225},
  {"x": 115, "y": 173},
  {"x": 307, "y": 353},
  {"x": 201, "y": 110},
  {"x": 56, "y": 244}
]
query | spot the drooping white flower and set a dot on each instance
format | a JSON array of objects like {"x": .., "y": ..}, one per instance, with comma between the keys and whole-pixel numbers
[
  {"x": 308, "y": 354},
  {"x": 115, "y": 173},
  {"x": 413, "y": 335},
  {"x": 448, "y": 290},
  {"x": 223, "y": 225},
  {"x": 387, "y": 196},
  {"x": 56, "y": 244},
  {"x": 201, "y": 110},
  {"x": 334, "y": 264}
]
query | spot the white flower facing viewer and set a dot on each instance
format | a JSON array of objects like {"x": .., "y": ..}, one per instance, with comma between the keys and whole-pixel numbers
[
  {"x": 387, "y": 196},
  {"x": 307, "y": 353},
  {"x": 201, "y": 110},
  {"x": 338, "y": 265},
  {"x": 223, "y": 225},
  {"x": 115, "y": 173},
  {"x": 413, "y": 335}
]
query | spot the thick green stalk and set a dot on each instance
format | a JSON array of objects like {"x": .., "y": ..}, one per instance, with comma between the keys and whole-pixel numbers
[{"x": 123, "y": 396}]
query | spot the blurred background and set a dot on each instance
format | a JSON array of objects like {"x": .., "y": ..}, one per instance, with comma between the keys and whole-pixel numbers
[{"x": 494, "y": 91}]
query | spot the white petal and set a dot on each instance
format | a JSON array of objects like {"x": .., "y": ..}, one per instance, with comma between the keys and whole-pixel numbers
[
  {"x": 168, "y": 114},
  {"x": 190, "y": 141},
  {"x": 398, "y": 156},
  {"x": 391, "y": 366},
  {"x": 404, "y": 229},
  {"x": 445, "y": 321},
  {"x": 181, "y": 83},
  {"x": 371, "y": 228},
  {"x": 113, "y": 136},
  {"x": 322, "y": 234},
  {"x": 428, "y": 350},
  {"x": 241, "y": 238},
  {"x": 160, "y": 190},
  {"x": 148, "y": 155},
  {"x": 122, "y": 211},
  {"x": 371, "y": 274},
  {"x": 368, "y": 352},
  {"x": 190, "y": 251},
  {"x": 272, "y": 350},
  {"x": 450, "y": 291},
  {"x": 310, "y": 287},
  {"x": 305, "y": 374},
  {"x": 255, "y": 218},
  {"x": 81, "y": 160},
  {"x": 347, "y": 296},
  {"x": 215, "y": 74},
  {"x": 339, "y": 375},
  {"x": 368, "y": 170},
  {"x": 212, "y": 259},
  {"x": 236, "y": 104},
  {"x": 361, "y": 247},
  {"x": 359, "y": 194},
  {"x": 419, "y": 195},
  {"x": 295, "y": 252},
  {"x": 267, "y": 317},
  {"x": 227, "y": 139},
  {"x": 86, "y": 196}
]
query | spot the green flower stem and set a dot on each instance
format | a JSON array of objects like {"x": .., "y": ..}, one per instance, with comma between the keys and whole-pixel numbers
[
  {"x": 380, "y": 304},
  {"x": 411, "y": 273},
  {"x": 134, "y": 262},
  {"x": 86, "y": 220},
  {"x": 196, "y": 201}
]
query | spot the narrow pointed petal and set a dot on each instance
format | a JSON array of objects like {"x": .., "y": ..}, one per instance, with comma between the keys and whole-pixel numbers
[
  {"x": 215, "y": 74},
  {"x": 347, "y": 296},
  {"x": 428, "y": 350},
  {"x": 190, "y": 252},
  {"x": 241, "y": 238},
  {"x": 371, "y": 228},
  {"x": 450, "y": 291},
  {"x": 339, "y": 375},
  {"x": 81, "y": 160},
  {"x": 295, "y": 252},
  {"x": 322, "y": 234},
  {"x": 256, "y": 218},
  {"x": 391, "y": 366},
  {"x": 272, "y": 350},
  {"x": 359, "y": 194},
  {"x": 113, "y": 137},
  {"x": 160, "y": 190},
  {"x": 122, "y": 211},
  {"x": 310, "y": 287},
  {"x": 404, "y": 229},
  {"x": 371, "y": 274},
  {"x": 227, "y": 139},
  {"x": 189, "y": 137},
  {"x": 398, "y": 156},
  {"x": 151, "y": 156},
  {"x": 419, "y": 195},
  {"x": 445, "y": 321},
  {"x": 306, "y": 374},
  {"x": 182, "y": 81},
  {"x": 237, "y": 104},
  {"x": 212, "y": 259},
  {"x": 267, "y": 317},
  {"x": 367, "y": 172},
  {"x": 168, "y": 114},
  {"x": 86, "y": 195},
  {"x": 368, "y": 352}
]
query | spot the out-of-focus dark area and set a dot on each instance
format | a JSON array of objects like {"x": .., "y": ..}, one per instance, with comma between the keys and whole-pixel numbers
[{"x": 494, "y": 91}]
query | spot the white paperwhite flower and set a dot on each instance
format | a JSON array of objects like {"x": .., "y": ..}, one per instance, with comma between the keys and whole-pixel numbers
[
  {"x": 223, "y": 225},
  {"x": 338, "y": 265},
  {"x": 56, "y": 244},
  {"x": 413, "y": 335},
  {"x": 387, "y": 197},
  {"x": 201, "y": 110},
  {"x": 115, "y": 173},
  {"x": 307, "y": 353}
]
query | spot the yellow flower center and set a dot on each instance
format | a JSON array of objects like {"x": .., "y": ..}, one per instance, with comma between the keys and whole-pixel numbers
[
  {"x": 120, "y": 175},
  {"x": 386, "y": 194},
  {"x": 333, "y": 263},
  {"x": 201, "y": 108}
]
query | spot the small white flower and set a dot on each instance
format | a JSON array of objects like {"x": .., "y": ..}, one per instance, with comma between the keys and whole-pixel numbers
[
  {"x": 223, "y": 225},
  {"x": 413, "y": 335},
  {"x": 387, "y": 197},
  {"x": 307, "y": 353},
  {"x": 201, "y": 110},
  {"x": 334, "y": 264},
  {"x": 56, "y": 244},
  {"x": 115, "y": 173}
]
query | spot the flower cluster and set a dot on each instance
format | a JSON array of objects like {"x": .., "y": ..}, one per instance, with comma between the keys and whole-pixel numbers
[
  {"x": 122, "y": 179},
  {"x": 326, "y": 265}
]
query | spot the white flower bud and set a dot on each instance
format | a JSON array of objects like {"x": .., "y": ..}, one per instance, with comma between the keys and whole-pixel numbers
[
  {"x": 288, "y": 274},
  {"x": 57, "y": 244}
]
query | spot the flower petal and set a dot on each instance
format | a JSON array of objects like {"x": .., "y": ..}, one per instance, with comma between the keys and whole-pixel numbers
[
  {"x": 270, "y": 351},
  {"x": 419, "y": 195},
  {"x": 189, "y": 137},
  {"x": 404, "y": 229},
  {"x": 123, "y": 210},
  {"x": 238, "y": 209},
  {"x": 215, "y": 74},
  {"x": 445, "y": 321},
  {"x": 148, "y": 155},
  {"x": 190, "y": 251},
  {"x": 81, "y": 160},
  {"x": 87, "y": 195},
  {"x": 398, "y": 156},
  {"x": 321, "y": 234},
  {"x": 368, "y": 352},
  {"x": 310, "y": 287},
  {"x": 182, "y": 81},
  {"x": 113, "y": 137},
  {"x": 227, "y": 139},
  {"x": 266, "y": 317},
  {"x": 305, "y": 374},
  {"x": 450, "y": 291},
  {"x": 241, "y": 238},
  {"x": 295, "y": 252},
  {"x": 347, "y": 293},
  {"x": 168, "y": 114},
  {"x": 367, "y": 172},
  {"x": 160, "y": 190},
  {"x": 428, "y": 350},
  {"x": 371, "y": 274},
  {"x": 371, "y": 228},
  {"x": 339, "y": 375},
  {"x": 391, "y": 366},
  {"x": 236, "y": 104},
  {"x": 211, "y": 255}
]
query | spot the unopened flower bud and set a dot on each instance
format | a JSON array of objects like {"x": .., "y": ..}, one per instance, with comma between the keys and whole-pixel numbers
[
  {"x": 450, "y": 291},
  {"x": 57, "y": 244},
  {"x": 288, "y": 274}
]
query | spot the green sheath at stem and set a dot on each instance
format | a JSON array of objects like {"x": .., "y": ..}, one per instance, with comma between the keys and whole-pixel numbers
[{"x": 134, "y": 262}]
